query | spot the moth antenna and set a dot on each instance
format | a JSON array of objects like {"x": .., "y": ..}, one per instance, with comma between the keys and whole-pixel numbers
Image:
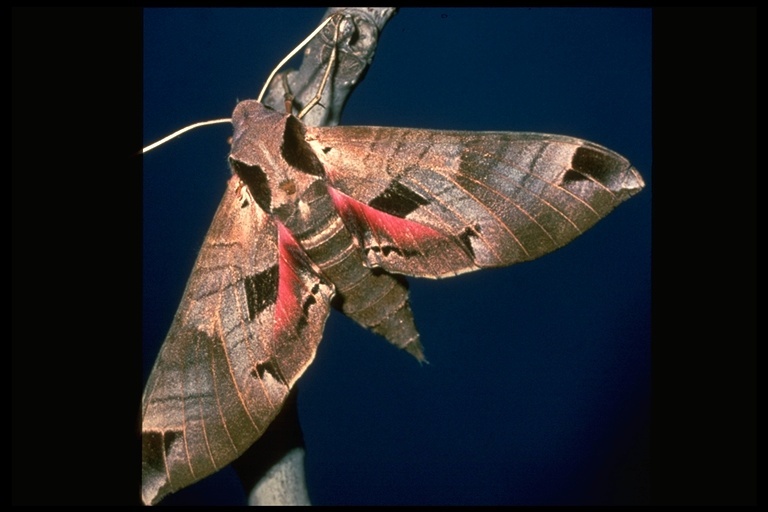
[
  {"x": 294, "y": 52},
  {"x": 331, "y": 61},
  {"x": 185, "y": 129},
  {"x": 288, "y": 102}
]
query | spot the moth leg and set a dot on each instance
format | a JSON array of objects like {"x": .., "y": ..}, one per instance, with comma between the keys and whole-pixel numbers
[
  {"x": 331, "y": 61},
  {"x": 288, "y": 95}
]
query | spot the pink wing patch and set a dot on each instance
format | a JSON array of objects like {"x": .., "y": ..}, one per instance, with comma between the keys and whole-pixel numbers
[
  {"x": 301, "y": 307},
  {"x": 401, "y": 245},
  {"x": 289, "y": 288}
]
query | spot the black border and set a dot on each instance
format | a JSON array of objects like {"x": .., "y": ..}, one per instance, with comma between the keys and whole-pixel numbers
[
  {"x": 76, "y": 227},
  {"x": 703, "y": 442},
  {"x": 77, "y": 82}
]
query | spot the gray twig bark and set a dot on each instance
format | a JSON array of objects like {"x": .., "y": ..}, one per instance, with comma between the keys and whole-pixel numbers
[
  {"x": 272, "y": 470},
  {"x": 359, "y": 33}
]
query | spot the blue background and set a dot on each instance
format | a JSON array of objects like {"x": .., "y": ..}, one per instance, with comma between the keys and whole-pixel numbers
[{"x": 538, "y": 387}]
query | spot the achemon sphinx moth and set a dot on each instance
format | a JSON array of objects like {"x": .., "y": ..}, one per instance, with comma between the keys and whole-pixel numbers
[{"x": 305, "y": 202}]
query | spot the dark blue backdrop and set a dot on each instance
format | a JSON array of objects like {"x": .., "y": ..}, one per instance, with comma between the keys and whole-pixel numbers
[{"x": 538, "y": 391}]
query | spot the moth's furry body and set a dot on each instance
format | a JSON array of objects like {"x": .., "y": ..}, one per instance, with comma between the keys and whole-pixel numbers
[{"x": 321, "y": 216}]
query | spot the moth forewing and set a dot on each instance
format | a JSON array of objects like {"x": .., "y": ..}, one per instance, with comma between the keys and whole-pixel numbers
[{"x": 431, "y": 203}]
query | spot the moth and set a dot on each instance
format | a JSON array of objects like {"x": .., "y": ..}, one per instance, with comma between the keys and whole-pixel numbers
[{"x": 315, "y": 218}]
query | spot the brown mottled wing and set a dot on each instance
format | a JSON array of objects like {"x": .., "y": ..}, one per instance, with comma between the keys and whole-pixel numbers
[
  {"x": 432, "y": 203},
  {"x": 248, "y": 326}
]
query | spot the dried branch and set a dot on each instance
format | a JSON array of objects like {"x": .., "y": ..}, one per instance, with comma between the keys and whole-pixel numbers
[{"x": 272, "y": 470}]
